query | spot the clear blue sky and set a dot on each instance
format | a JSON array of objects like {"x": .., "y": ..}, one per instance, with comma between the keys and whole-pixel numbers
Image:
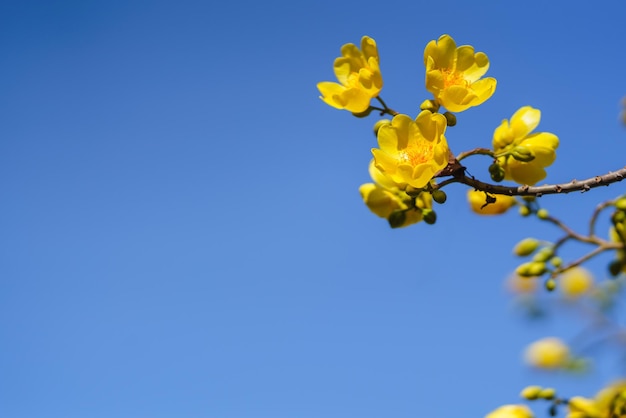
[{"x": 182, "y": 234}]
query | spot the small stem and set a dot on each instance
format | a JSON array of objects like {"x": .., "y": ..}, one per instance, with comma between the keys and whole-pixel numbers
[
  {"x": 596, "y": 213},
  {"x": 476, "y": 151},
  {"x": 386, "y": 109}
]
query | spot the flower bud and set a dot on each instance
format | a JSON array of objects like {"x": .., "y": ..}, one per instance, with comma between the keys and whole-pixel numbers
[
  {"x": 397, "y": 218},
  {"x": 524, "y": 210},
  {"x": 450, "y": 118},
  {"x": 544, "y": 254},
  {"x": 547, "y": 394},
  {"x": 618, "y": 217},
  {"x": 439, "y": 196},
  {"x": 621, "y": 204},
  {"x": 531, "y": 392},
  {"x": 550, "y": 285},
  {"x": 531, "y": 269},
  {"x": 412, "y": 191},
  {"x": 429, "y": 216},
  {"x": 615, "y": 267},
  {"x": 526, "y": 247},
  {"x": 542, "y": 214},
  {"x": 380, "y": 124},
  {"x": 556, "y": 261},
  {"x": 497, "y": 172},
  {"x": 522, "y": 153}
]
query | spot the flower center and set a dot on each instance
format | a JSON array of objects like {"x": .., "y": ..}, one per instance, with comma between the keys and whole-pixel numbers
[
  {"x": 453, "y": 78},
  {"x": 417, "y": 154}
]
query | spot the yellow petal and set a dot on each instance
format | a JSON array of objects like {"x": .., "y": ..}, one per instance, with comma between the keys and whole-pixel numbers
[{"x": 524, "y": 121}]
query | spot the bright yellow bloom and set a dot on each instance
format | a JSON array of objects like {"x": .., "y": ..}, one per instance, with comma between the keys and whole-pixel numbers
[
  {"x": 412, "y": 151},
  {"x": 547, "y": 353},
  {"x": 453, "y": 75},
  {"x": 521, "y": 285},
  {"x": 517, "y": 135},
  {"x": 575, "y": 282},
  {"x": 358, "y": 73},
  {"x": 511, "y": 411},
  {"x": 607, "y": 403},
  {"x": 477, "y": 202},
  {"x": 384, "y": 198}
]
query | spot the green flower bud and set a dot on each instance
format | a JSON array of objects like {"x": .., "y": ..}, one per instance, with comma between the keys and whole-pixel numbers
[
  {"x": 429, "y": 216},
  {"x": 497, "y": 172},
  {"x": 397, "y": 218},
  {"x": 547, "y": 393},
  {"x": 522, "y": 153},
  {"x": 525, "y": 247},
  {"x": 621, "y": 203},
  {"x": 618, "y": 217},
  {"x": 379, "y": 125},
  {"x": 556, "y": 261},
  {"x": 524, "y": 210},
  {"x": 450, "y": 118},
  {"x": 544, "y": 254},
  {"x": 531, "y": 392},
  {"x": 439, "y": 196},
  {"x": 550, "y": 285},
  {"x": 615, "y": 267},
  {"x": 412, "y": 191},
  {"x": 531, "y": 269},
  {"x": 542, "y": 214}
]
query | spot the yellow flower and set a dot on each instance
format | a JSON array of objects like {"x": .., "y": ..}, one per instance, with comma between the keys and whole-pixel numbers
[
  {"x": 511, "y": 411},
  {"x": 453, "y": 74},
  {"x": 516, "y": 136},
  {"x": 580, "y": 407},
  {"x": 477, "y": 200},
  {"x": 575, "y": 282},
  {"x": 386, "y": 200},
  {"x": 521, "y": 285},
  {"x": 547, "y": 353},
  {"x": 412, "y": 151},
  {"x": 359, "y": 77}
]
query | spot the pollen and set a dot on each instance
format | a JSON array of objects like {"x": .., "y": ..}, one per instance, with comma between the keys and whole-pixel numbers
[
  {"x": 417, "y": 154},
  {"x": 453, "y": 78}
]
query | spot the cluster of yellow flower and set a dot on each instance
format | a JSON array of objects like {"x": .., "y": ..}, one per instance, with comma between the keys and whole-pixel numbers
[{"x": 411, "y": 152}]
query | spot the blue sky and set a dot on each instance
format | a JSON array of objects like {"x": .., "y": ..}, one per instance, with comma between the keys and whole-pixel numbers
[{"x": 182, "y": 230}]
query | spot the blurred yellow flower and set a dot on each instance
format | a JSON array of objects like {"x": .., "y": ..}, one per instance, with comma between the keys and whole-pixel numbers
[
  {"x": 580, "y": 407},
  {"x": 453, "y": 75},
  {"x": 521, "y": 285},
  {"x": 511, "y": 411},
  {"x": 575, "y": 282},
  {"x": 358, "y": 73},
  {"x": 411, "y": 151},
  {"x": 477, "y": 202},
  {"x": 384, "y": 199},
  {"x": 547, "y": 353},
  {"x": 515, "y": 137}
]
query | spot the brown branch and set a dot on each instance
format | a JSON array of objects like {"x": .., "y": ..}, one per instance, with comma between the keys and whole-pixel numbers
[{"x": 572, "y": 186}]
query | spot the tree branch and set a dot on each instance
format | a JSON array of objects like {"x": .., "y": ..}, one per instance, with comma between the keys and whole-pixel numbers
[{"x": 572, "y": 186}]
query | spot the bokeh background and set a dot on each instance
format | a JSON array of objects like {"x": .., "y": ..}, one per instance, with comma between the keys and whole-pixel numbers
[{"x": 181, "y": 229}]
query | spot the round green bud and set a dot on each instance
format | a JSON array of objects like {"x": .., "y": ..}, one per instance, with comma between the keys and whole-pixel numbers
[
  {"x": 615, "y": 267},
  {"x": 524, "y": 210},
  {"x": 439, "y": 196},
  {"x": 397, "y": 218},
  {"x": 544, "y": 254},
  {"x": 621, "y": 204},
  {"x": 556, "y": 261},
  {"x": 550, "y": 284},
  {"x": 429, "y": 216},
  {"x": 522, "y": 153},
  {"x": 531, "y": 392},
  {"x": 412, "y": 191},
  {"x": 496, "y": 172},
  {"x": 618, "y": 217},
  {"x": 379, "y": 125},
  {"x": 542, "y": 214},
  {"x": 547, "y": 394},
  {"x": 450, "y": 118},
  {"x": 525, "y": 247}
]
